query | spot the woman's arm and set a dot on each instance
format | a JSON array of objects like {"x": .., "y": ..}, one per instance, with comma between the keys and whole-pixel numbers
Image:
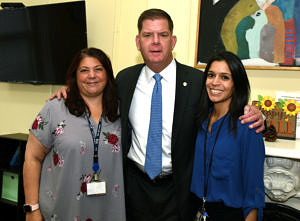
[
  {"x": 252, "y": 158},
  {"x": 34, "y": 156}
]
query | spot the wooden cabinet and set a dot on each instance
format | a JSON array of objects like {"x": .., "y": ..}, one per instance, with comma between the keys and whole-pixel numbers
[{"x": 12, "y": 149}]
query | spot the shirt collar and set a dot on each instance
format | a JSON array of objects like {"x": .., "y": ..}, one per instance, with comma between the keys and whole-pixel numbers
[{"x": 165, "y": 73}]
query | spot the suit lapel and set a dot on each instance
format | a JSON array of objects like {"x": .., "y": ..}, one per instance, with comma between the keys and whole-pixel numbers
[
  {"x": 181, "y": 95},
  {"x": 131, "y": 81}
]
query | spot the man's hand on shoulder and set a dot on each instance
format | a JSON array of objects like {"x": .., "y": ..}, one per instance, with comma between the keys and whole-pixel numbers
[
  {"x": 252, "y": 114},
  {"x": 61, "y": 93}
]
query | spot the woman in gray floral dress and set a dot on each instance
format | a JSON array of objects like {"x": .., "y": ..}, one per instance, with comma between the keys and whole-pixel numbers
[{"x": 73, "y": 160}]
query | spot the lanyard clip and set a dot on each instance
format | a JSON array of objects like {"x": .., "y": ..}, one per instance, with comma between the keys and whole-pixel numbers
[{"x": 203, "y": 203}]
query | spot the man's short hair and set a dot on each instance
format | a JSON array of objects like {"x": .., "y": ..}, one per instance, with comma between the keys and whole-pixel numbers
[{"x": 153, "y": 14}]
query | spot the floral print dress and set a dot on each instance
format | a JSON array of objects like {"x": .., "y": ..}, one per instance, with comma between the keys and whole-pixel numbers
[{"x": 67, "y": 168}]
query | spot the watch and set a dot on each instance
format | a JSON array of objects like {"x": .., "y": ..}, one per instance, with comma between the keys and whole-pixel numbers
[{"x": 30, "y": 208}]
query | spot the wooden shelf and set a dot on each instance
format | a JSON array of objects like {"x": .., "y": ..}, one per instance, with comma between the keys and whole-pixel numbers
[
  {"x": 9, "y": 202},
  {"x": 16, "y": 136},
  {"x": 12, "y": 169},
  {"x": 283, "y": 148}
]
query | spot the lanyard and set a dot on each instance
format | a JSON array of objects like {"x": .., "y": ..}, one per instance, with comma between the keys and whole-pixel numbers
[
  {"x": 210, "y": 160},
  {"x": 96, "y": 139}
]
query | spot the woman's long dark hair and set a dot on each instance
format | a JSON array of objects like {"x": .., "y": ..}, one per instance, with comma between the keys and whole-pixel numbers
[
  {"x": 240, "y": 95},
  {"x": 75, "y": 102}
]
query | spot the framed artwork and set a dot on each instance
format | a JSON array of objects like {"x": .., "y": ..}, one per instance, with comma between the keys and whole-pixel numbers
[{"x": 265, "y": 34}]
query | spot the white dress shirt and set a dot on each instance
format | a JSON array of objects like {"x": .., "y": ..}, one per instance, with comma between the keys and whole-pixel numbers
[{"x": 139, "y": 114}]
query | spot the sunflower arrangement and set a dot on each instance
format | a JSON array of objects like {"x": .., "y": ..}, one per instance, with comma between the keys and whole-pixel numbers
[
  {"x": 281, "y": 116},
  {"x": 290, "y": 107},
  {"x": 267, "y": 103}
]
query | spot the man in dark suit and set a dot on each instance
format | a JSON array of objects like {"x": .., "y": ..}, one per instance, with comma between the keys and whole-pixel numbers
[{"x": 167, "y": 196}]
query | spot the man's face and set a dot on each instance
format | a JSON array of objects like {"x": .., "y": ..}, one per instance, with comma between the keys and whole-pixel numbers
[{"x": 156, "y": 42}]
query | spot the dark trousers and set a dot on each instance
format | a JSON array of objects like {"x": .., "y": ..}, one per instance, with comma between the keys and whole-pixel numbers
[
  {"x": 148, "y": 200},
  {"x": 220, "y": 212}
]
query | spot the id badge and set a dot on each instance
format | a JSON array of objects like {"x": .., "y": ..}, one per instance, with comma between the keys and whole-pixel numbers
[
  {"x": 201, "y": 216},
  {"x": 96, "y": 188}
]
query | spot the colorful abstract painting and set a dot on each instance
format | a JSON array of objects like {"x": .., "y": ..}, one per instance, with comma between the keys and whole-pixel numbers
[{"x": 260, "y": 32}]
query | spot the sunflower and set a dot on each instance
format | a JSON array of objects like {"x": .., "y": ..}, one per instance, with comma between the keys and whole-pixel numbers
[
  {"x": 268, "y": 103},
  {"x": 291, "y": 107}
]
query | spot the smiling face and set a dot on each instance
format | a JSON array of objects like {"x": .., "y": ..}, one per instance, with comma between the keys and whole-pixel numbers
[
  {"x": 156, "y": 42},
  {"x": 91, "y": 77},
  {"x": 219, "y": 84}
]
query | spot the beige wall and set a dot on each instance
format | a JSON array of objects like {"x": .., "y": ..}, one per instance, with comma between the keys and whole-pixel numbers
[{"x": 112, "y": 27}]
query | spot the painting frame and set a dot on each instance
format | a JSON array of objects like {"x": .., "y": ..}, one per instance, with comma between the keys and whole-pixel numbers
[{"x": 204, "y": 23}]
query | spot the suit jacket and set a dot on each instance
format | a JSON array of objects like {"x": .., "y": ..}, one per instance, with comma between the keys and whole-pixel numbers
[{"x": 188, "y": 84}]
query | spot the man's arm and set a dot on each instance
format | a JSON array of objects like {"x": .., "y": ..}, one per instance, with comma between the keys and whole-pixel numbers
[
  {"x": 252, "y": 114},
  {"x": 61, "y": 93}
]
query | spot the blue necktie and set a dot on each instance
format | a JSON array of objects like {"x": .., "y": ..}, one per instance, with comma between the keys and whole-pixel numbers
[{"x": 153, "y": 162}]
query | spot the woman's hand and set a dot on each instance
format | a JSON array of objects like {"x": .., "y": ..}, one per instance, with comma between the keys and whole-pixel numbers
[
  {"x": 34, "y": 216},
  {"x": 252, "y": 114}
]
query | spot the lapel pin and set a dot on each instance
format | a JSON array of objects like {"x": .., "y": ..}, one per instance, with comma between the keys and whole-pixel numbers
[{"x": 184, "y": 84}]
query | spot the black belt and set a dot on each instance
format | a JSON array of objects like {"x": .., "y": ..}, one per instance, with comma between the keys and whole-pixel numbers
[{"x": 158, "y": 179}]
